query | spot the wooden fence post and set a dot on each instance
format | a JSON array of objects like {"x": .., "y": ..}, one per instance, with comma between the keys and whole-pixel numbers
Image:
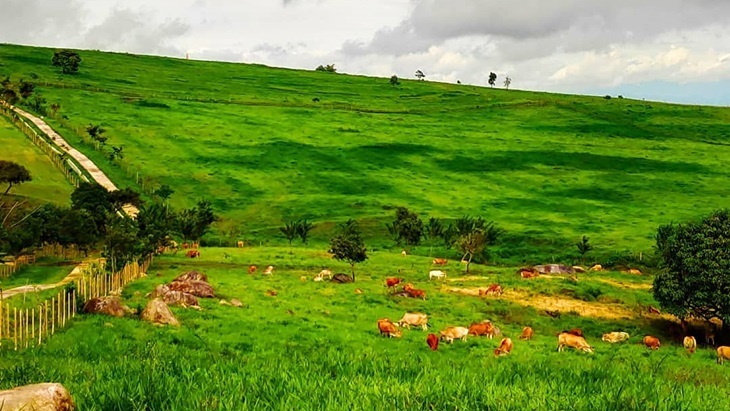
[{"x": 15, "y": 328}]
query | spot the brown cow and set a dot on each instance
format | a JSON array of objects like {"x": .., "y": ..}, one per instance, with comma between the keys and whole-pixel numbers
[
  {"x": 195, "y": 244},
  {"x": 494, "y": 289},
  {"x": 391, "y": 282},
  {"x": 723, "y": 353},
  {"x": 186, "y": 246},
  {"x": 388, "y": 329},
  {"x": 239, "y": 244},
  {"x": 433, "y": 342},
  {"x": 651, "y": 342},
  {"x": 527, "y": 273},
  {"x": 440, "y": 261},
  {"x": 575, "y": 331},
  {"x": 252, "y": 269},
  {"x": 193, "y": 254},
  {"x": 596, "y": 267},
  {"x": 505, "y": 347},
  {"x": 485, "y": 328},
  {"x": 413, "y": 293},
  {"x": 690, "y": 344},
  {"x": 573, "y": 341},
  {"x": 408, "y": 287},
  {"x": 526, "y": 334}
]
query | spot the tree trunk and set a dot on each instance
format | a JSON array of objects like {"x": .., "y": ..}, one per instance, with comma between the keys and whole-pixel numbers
[
  {"x": 352, "y": 270},
  {"x": 8, "y": 189}
]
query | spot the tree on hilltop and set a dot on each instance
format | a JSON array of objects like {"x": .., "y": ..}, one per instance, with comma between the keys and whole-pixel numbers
[
  {"x": 695, "y": 256},
  {"x": 419, "y": 75},
  {"x": 329, "y": 68},
  {"x": 68, "y": 61},
  {"x": 394, "y": 80},
  {"x": 13, "y": 174},
  {"x": 507, "y": 82},
  {"x": 492, "y": 79}
]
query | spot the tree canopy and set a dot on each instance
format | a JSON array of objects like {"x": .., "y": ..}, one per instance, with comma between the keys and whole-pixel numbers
[
  {"x": 348, "y": 245},
  {"x": 696, "y": 267},
  {"x": 68, "y": 60},
  {"x": 13, "y": 174}
]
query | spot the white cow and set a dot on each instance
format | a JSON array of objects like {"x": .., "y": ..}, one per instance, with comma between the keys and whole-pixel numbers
[
  {"x": 436, "y": 273},
  {"x": 269, "y": 270}
]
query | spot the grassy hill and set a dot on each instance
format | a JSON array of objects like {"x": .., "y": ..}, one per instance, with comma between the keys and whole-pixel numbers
[
  {"x": 48, "y": 183},
  {"x": 549, "y": 168}
]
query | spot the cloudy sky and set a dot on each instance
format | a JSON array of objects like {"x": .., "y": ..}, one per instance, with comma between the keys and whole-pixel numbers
[{"x": 670, "y": 50}]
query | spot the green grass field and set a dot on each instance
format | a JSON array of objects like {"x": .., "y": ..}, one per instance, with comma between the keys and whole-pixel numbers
[
  {"x": 315, "y": 346},
  {"x": 48, "y": 184},
  {"x": 549, "y": 168}
]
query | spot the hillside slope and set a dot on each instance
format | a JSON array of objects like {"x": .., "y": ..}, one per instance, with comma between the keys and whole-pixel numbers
[{"x": 256, "y": 141}]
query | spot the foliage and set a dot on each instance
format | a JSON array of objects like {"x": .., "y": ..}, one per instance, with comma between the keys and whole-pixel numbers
[
  {"x": 394, "y": 80},
  {"x": 77, "y": 227},
  {"x": 25, "y": 88},
  {"x": 507, "y": 82},
  {"x": 193, "y": 223},
  {"x": 348, "y": 245},
  {"x": 475, "y": 235},
  {"x": 37, "y": 103},
  {"x": 164, "y": 192},
  {"x": 329, "y": 68},
  {"x": 407, "y": 226},
  {"x": 449, "y": 234},
  {"x": 584, "y": 247},
  {"x": 68, "y": 60},
  {"x": 696, "y": 261},
  {"x": 303, "y": 229},
  {"x": 156, "y": 223},
  {"x": 96, "y": 132},
  {"x": 96, "y": 200},
  {"x": 434, "y": 228},
  {"x": 116, "y": 153},
  {"x": 121, "y": 245},
  {"x": 125, "y": 196},
  {"x": 492, "y": 79},
  {"x": 290, "y": 230},
  {"x": 12, "y": 173},
  {"x": 420, "y": 75}
]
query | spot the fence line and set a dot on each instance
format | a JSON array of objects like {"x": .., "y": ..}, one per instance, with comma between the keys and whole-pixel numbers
[
  {"x": 29, "y": 327},
  {"x": 6, "y": 270},
  {"x": 69, "y": 169}
]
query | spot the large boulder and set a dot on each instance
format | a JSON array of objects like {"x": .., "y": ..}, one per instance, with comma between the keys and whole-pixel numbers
[
  {"x": 341, "y": 278},
  {"x": 110, "y": 305},
  {"x": 180, "y": 298},
  {"x": 37, "y": 397},
  {"x": 553, "y": 269},
  {"x": 195, "y": 287},
  {"x": 192, "y": 276},
  {"x": 159, "y": 291},
  {"x": 158, "y": 313}
]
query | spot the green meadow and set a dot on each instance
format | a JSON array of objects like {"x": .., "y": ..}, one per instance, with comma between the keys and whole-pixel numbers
[
  {"x": 48, "y": 184},
  {"x": 315, "y": 345},
  {"x": 548, "y": 168}
]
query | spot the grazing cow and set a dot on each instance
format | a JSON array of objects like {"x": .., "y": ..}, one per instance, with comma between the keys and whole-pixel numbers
[
  {"x": 391, "y": 282},
  {"x": 596, "y": 267},
  {"x": 651, "y": 342},
  {"x": 494, "y": 289},
  {"x": 252, "y": 269},
  {"x": 195, "y": 244},
  {"x": 485, "y": 328},
  {"x": 632, "y": 271},
  {"x": 453, "y": 333},
  {"x": 526, "y": 333},
  {"x": 193, "y": 254},
  {"x": 573, "y": 341},
  {"x": 433, "y": 342},
  {"x": 414, "y": 319},
  {"x": 239, "y": 244},
  {"x": 505, "y": 347},
  {"x": 186, "y": 246},
  {"x": 723, "y": 353},
  {"x": 269, "y": 270},
  {"x": 440, "y": 261},
  {"x": 403, "y": 253},
  {"x": 413, "y": 293},
  {"x": 615, "y": 337},
  {"x": 436, "y": 273},
  {"x": 388, "y": 329},
  {"x": 322, "y": 274},
  {"x": 690, "y": 344}
]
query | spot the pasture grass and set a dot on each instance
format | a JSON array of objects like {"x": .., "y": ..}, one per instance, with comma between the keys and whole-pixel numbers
[
  {"x": 46, "y": 270},
  {"x": 315, "y": 346},
  {"x": 48, "y": 184},
  {"x": 547, "y": 167}
]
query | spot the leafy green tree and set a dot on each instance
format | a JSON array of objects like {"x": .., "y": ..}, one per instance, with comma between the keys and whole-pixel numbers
[
  {"x": 156, "y": 225},
  {"x": 408, "y": 227},
  {"x": 96, "y": 132},
  {"x": 49, "y": 219},
  {"x": 13, "y": 174},
  {"x": 584, "y": 247},
  {"x": 348, "y": 245},
  {"x": 435, "y": 228},
  {"x": 195, "y": 222},
  {"x": 492, "y": 79},
  {"x": 77, "y": 227},
  {"x": 695, "y": 256},
  {"x": 449, "y": 235},
  {"x": 121, "y": 244},
  {"x": 26, "y": 89},
  {"x": 394, "y": 80},
  {"x": 38, "y": 104},
  {"x": 164, "y": 192},
  {"x": 329, "y": 68},
  {"x": 117, "y": 153},
  {"x": 68, "y": 60},
  {"x": 96, "y": 200},
  {"x": 9, "y": 96},
  {"x": 125, "y": 196},
  {"x": 471, "y": 244},
  {"x": 303, "y": 229},
  {"x": 474, "y": 236}
]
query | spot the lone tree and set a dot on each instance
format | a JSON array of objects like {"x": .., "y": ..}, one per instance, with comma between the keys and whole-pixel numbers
[
  {"x": 13, "y": 174},
  {"x": 507, "y": 82},
  {"x": 290, "y": 230},
  {"x": 420, "y": 75},
  {"x": 329, "y": 68},
  {"x": 475, "y": 235},
  {"x": 68, "y": 61},
  {"x": 348, "y": 245},
  {"x": 407, "y": 227},
  {"x": 492, "y": 79},
  {"x": 696, "y": 261},
  {"x": 584, "y": 247},
  {"x": 394, "y": 80}
]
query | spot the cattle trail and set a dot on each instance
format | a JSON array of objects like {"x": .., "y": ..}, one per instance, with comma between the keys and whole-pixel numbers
[
  {"x": 83, "y": 161},
  {"x": 34, "y": 288}
]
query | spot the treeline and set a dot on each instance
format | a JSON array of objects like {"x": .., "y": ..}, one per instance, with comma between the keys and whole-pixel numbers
[{"x": 95, "y": 220}]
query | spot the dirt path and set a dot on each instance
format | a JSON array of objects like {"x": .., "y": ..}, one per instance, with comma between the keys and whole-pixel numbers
[
  {"x": 83, "y": 161},
  {"x": 33, "y": 288}
]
